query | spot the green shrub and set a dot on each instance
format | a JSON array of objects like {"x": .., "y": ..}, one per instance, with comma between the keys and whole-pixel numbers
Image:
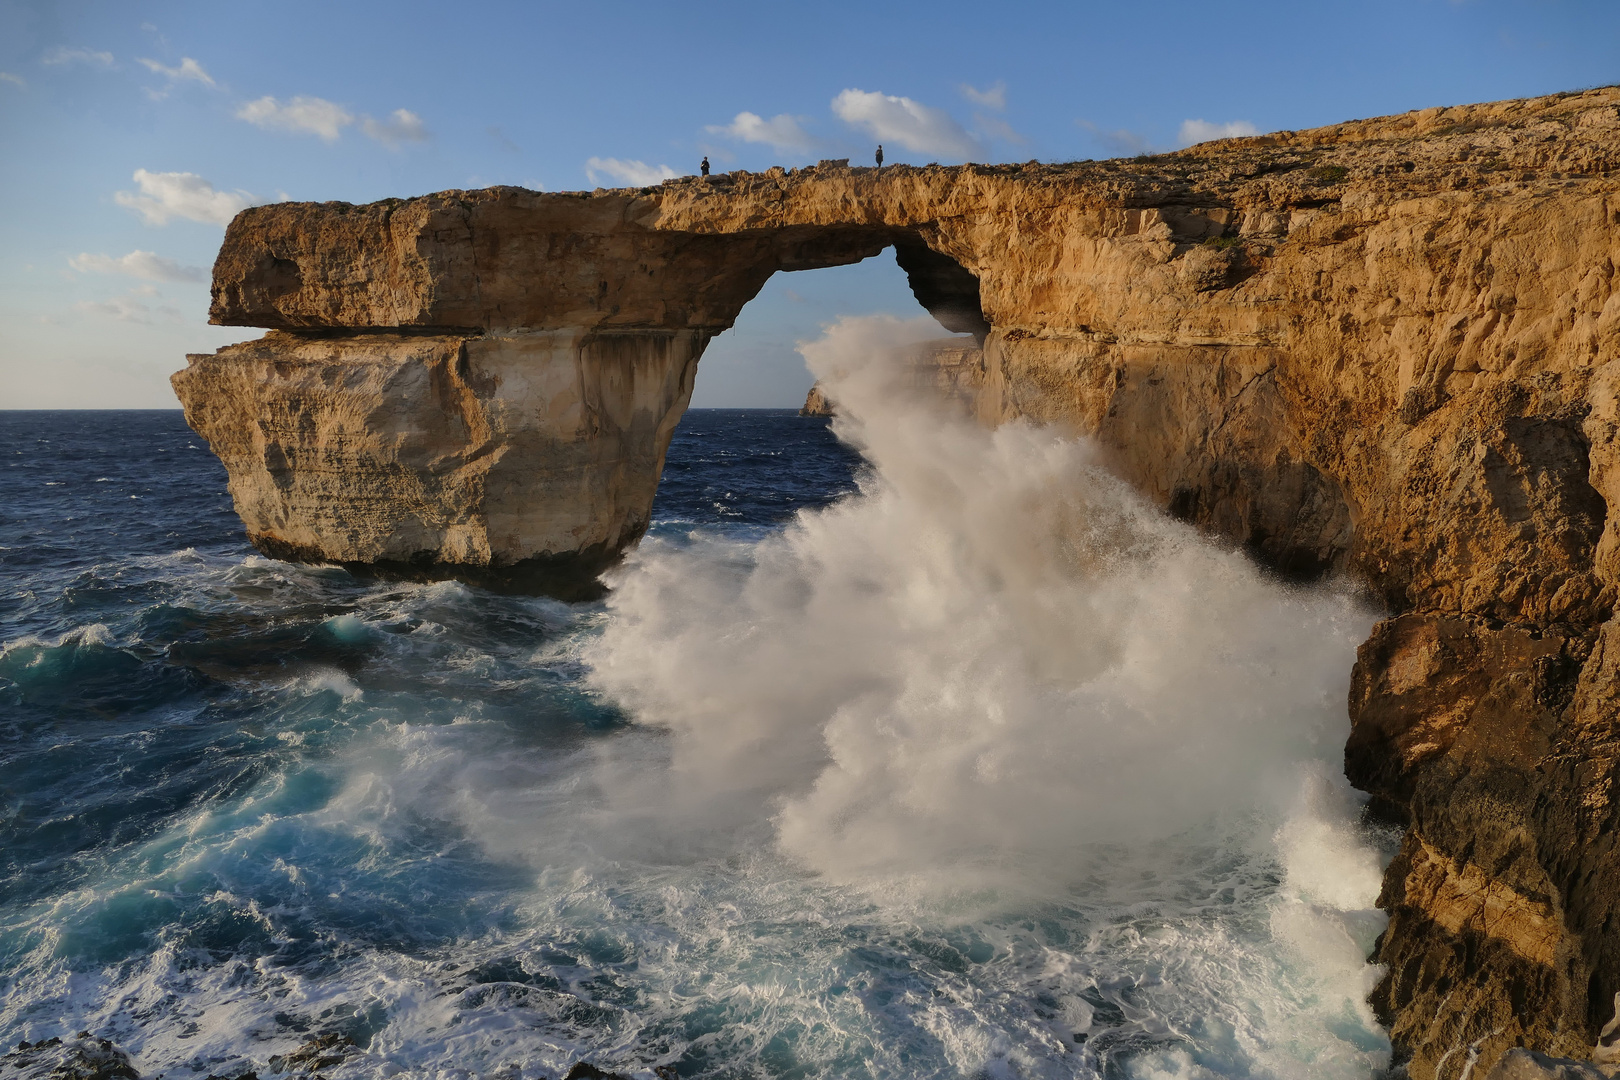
[{"x": 1329, "y": 174}]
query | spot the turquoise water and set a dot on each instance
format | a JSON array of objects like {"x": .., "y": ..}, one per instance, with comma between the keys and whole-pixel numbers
[{"x": 720, "y": 822}]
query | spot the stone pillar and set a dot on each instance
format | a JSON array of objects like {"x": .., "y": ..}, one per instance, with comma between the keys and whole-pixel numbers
[{"x": 422, "y": 454}]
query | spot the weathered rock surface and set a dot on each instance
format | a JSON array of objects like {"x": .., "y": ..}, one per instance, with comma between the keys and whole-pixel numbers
[
  {"x": 410, "y": 452},
  {"x": 81, "y": 1058},
  {"x": 322, "y": 1052},
  {"x": 817, "y": 403},
  {"x": 1387, "y": 347}
]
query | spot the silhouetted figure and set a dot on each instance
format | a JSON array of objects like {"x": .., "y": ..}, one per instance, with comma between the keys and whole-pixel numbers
[
  {"x": 880, "y": 155},
  {"x": 704, "y": 168}
]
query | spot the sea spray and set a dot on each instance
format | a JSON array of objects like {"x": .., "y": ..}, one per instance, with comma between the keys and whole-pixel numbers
[
  {"x": 992, "y": 659},
  {"x": 245, "y": 802},
  {"x": 996, "y": 678}
]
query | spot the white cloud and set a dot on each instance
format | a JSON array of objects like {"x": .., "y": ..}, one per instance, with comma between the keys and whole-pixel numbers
[
  {"x": 402, "y": 126},
  {"x": 184, "y": 195},
  {"x": 629, "y": 173},
  {"x": 1120, "y": 143},
  {"x": 996, "y": 128},
  {"x": 913, "y": 125},
  {"x": 993, "y": 98},
  {"x": 316, "y": 116},
  {"x": 16, "y": 80},
  {"x": 782, "y": 132},
  {"x": 301, "y": 115},
  {"x": 127, "y": 309},
  {"x": 138, "y": 264},
  {"x": 1197, "y": 131},
  {"x": 189, "y": 70},
  {"x": 64, "y": 55}
]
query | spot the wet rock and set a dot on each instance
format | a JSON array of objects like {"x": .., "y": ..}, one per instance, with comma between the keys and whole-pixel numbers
[
  {"x": 80, "y": 1058},
  {"x": 584, "y": 1070},
  {"x": 321, "y": 1052}
]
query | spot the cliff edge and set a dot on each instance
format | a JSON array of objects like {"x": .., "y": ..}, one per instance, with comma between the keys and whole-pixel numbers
[{"x": 1386, "y": 347}]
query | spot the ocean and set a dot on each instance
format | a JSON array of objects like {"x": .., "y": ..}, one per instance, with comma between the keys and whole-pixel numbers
[{"x": 897, "y": 749}]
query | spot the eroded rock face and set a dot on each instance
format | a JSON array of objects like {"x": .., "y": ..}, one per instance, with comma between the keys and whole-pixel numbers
[
  {"x": 817, "y": 403},
  {"x": 424, "y": 452},
  {"x": 1387, "y": 347}
]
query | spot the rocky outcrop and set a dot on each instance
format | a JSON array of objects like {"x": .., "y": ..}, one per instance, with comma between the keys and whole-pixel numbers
[
  {"x": 82, "y": 1058},
  {"x": 410, "y": 452},
  {"x": 1386, "y": 347},
  {"x": 817, "y": 403}
]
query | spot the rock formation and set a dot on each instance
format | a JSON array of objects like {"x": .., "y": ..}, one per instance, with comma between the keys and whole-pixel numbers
[
  {"x": 83, "y": 1057},
  {"x": 817, "y": 403},
  {"x": 1387, "y": 348}
]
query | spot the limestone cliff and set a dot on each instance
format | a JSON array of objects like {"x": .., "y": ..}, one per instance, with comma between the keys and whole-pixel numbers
[
  {"x": 405, "y": 451},
  {"x": 1387, "y": 347}
]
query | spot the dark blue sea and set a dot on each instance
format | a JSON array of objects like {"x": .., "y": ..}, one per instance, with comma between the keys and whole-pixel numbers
[{"x": 830, "y": 785}]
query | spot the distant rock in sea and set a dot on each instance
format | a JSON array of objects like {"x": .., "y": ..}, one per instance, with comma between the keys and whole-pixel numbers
[{"x": 817, "y": 403}]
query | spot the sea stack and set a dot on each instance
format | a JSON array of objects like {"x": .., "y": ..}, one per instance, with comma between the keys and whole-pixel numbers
[{"x": 816, "y": 403}]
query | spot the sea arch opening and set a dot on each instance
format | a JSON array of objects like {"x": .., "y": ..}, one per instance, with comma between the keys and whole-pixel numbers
[
  {"x": 754, "y": 363},
  {"x": 738, "y": 451}
]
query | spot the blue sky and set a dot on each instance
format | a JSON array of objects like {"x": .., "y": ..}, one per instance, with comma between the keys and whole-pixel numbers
[{"x": 131, "y": 131}]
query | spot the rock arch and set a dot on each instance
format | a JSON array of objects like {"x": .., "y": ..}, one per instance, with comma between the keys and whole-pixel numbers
[
  {"x": 1390, "y": 346},
  {"x": 485, "y": 383}
]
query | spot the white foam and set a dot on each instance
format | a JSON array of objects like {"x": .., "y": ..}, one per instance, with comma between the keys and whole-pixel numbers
[
  {"x": 992, "y": 658},
  {"x": 88, "y": 634},
  {"x": 988, "y": 770},
  {"x": 326, "y": 681},
  {"x": 995, "y": 678}
]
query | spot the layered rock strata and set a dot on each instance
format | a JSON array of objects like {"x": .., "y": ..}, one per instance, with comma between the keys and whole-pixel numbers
[
  {"x": 1386, "y": 348},
  {"x": 414, "y": 452}
]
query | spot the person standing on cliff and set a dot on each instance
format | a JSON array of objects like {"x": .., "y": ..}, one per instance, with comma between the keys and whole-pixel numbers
[
  {"x": 880, "y": 155},
  {"x": 704, "y": 168}
]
